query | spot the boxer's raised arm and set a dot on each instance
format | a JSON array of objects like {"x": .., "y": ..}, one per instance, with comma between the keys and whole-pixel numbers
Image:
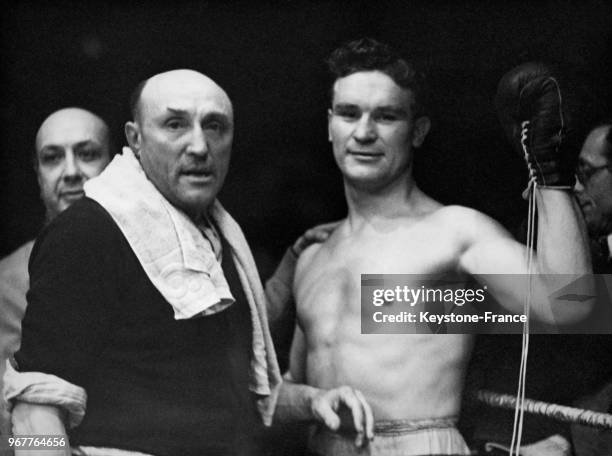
[
  {"x": 501, "y": 263},
  {"x": 533, "y": 111}
]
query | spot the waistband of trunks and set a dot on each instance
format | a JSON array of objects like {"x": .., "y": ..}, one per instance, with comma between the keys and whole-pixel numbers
[{"x": 395, "y": 427}]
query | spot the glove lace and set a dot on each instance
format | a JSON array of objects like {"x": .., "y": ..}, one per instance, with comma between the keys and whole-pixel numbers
[{"x": 532, "y": 172}]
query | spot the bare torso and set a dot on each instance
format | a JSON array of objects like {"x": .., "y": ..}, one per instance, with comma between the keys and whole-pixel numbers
[{"x": 402, "y": 376}]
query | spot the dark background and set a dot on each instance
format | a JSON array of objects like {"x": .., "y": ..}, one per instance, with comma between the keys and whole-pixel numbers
[{"x": 270, "y": 59}]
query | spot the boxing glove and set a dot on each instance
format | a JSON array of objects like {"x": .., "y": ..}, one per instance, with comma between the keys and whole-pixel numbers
[{"x": 531, "y": 109}]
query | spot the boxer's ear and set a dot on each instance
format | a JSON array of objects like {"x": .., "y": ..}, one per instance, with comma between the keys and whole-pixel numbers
[
  {"x": 421, "y": 128},
  {"x": 133, "y": 136}
]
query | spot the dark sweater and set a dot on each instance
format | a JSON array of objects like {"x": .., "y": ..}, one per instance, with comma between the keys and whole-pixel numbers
[{"x": 154, "y": 384}]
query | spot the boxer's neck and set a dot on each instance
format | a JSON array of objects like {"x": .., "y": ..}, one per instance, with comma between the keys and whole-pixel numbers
[{"x": 399, "y": 200}]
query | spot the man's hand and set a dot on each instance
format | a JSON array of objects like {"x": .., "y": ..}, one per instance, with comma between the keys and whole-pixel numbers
[
  {"x": 281, "y": 310},
  {"x": 337, "y": 406},
  {"x": 319, "y": 233}
]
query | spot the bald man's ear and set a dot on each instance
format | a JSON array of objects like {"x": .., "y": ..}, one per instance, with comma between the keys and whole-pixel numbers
[
  {"x": 132, "y": 134},
  {"x": 421, "y": 128}
]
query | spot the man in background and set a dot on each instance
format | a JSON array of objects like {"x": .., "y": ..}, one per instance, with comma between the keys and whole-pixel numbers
[
  {"x": 594, "y": 192},
  {"x": 72, "y": 145}
]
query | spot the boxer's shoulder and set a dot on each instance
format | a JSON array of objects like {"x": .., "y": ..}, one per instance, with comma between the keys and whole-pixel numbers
[{"x": 468, "y": 222}]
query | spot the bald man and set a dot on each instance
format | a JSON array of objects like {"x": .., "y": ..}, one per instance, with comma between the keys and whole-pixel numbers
[
  {"x": 72, "y": 146},
  {"x": 161, "y": 346}
]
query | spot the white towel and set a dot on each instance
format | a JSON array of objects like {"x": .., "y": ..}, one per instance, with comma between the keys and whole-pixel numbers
[{"x": 174, "y": 254}]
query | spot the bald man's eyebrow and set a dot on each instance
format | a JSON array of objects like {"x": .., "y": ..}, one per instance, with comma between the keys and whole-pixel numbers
[
  {"x": 84, "y": 143},
  {"x": 87, "y": 142},
  {"x": 177, "y": 111},
  {"x": 50, "y": 148},
  {"x": 185, "y": 112},
  {"x": 211, "y": 116}
]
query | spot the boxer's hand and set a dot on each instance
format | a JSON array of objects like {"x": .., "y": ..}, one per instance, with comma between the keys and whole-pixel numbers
[
  {"x": 319, "y": 233},
  {"x": 534, "y": 115},
  {"x": 327, "y": 406}
]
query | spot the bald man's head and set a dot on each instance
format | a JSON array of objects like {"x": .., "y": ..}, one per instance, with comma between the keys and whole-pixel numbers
[
  {"x": 72, "y": 146},
  {"x": 182, "y": 133},
  {"x": 174, "y": 77}
]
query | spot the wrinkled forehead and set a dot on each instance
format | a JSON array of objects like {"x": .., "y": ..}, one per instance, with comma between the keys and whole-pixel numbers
[
  {"x": 65, "y": 129},
  {"x": 371, "y": 89},
  {"x": 195, "y": 95}
]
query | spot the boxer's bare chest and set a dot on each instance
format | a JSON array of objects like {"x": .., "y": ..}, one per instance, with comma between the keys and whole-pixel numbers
[{"x": 328, "y": 289}]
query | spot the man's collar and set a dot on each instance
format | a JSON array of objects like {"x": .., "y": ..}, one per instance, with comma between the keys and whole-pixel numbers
[{"x": 208, "y": 229}]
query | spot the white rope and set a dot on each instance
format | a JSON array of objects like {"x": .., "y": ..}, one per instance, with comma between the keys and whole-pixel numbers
[
  {"x": 557, "y": 412},
  {"x": 519, "y": 411}
]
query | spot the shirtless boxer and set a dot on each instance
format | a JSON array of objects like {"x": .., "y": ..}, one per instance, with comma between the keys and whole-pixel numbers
[{"x": 413, "y": 383}]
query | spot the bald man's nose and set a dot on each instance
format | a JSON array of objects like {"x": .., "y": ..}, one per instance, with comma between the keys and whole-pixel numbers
[
  {"x": 72, "y": 172},
  {"x": 197, "y": 142}
]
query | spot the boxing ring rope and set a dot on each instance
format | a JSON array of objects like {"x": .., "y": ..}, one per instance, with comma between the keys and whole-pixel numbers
[{"x": 554, "y": 411}]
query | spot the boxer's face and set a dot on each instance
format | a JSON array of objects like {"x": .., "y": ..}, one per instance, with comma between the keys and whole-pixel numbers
[
  {"x": 372, "y": 129},
  {"x": 71, "y": 147},
  {"x": 594, "y": 190},
  {"x": 183, "y": 136}
]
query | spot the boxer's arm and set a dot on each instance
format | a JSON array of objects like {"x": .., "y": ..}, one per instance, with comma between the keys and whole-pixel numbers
[
  {"x": 563, "y": 243},
  {"x": 532, "y": 106},
  {"x": 563, "y": 253},
  {"x": 493, "y": 257},
  {"x": 300, "y": 402},
  {"x": 295, "y": 397},
  {"x": 36, "y": 419}
]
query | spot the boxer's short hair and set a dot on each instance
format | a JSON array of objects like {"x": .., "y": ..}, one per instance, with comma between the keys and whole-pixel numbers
[{"x": 367, "y": 54}]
